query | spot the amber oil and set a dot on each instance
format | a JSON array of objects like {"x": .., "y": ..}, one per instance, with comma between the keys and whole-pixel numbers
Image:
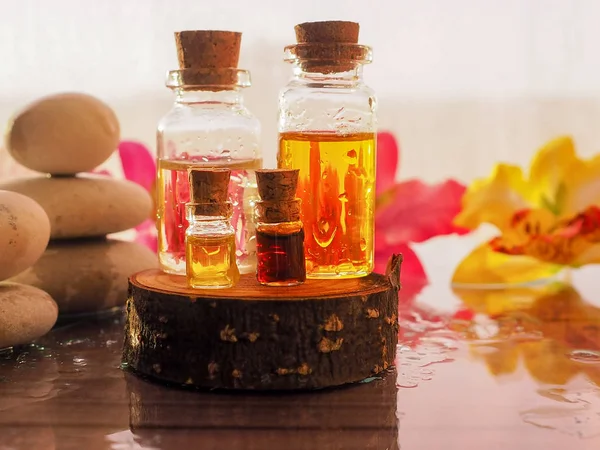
[
  {"x": 337, "y": 188},
  {"x": 210, "y": 262}
]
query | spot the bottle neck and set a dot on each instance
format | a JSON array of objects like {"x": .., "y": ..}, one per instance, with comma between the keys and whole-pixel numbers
[
  {"x": 344, "y": 77},
  {"x": 228, "y": 97}
]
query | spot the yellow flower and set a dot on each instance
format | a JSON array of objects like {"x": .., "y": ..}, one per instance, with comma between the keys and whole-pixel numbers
[{"x": 547, "y": 220}]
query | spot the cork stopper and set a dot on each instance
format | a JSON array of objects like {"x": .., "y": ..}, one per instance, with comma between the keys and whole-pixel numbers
[
  {"x": 327, "y": 32},
  {"x": 208, "y": 58},
  {"x": 277, "y": 185},
  {"x": 277, "y": 190},
  {"x": 208, "y": 49},
  {"x": 328, "y": 46},
  {"x": 209, "y": 189}
]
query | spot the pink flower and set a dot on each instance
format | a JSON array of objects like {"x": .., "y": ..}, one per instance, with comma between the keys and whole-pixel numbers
[{"x": 409, "y": 211}]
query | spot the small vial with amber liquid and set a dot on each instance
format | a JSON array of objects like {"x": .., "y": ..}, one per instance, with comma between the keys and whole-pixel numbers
[
  {"x": 327, "y": 130},
  {"x": 210, "y": 238},
  {"x": 279, "y": 230}
]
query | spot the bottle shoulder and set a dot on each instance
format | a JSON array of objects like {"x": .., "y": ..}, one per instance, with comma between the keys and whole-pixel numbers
[
  {"x": 296, "y": 88},
  {"x": 202, "y": 116},
  {"x": 209, "y": 132},
  {"x": 215, "y": 228},
  {"x": 347, "y": 109},
  {"x": 280, "y": 229}
]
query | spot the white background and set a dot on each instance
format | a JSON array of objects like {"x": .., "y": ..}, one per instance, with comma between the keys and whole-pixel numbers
[{"x": 463, "y": 83}]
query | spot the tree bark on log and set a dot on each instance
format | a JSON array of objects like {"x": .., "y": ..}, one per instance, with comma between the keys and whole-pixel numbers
[{"x": 322, "y": 333}]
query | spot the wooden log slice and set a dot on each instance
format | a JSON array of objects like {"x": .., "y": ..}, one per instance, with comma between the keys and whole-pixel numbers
[{"x": 322, "y": 333}]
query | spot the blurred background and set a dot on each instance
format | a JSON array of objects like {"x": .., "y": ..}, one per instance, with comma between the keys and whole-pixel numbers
[{"x": 462, "y": 83}]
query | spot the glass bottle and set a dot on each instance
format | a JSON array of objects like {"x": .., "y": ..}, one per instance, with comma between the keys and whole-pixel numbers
[
  {"x": 279, "y": 230},
  {"x": 327, "y": 130},
  {"x": 210, "y": 237},
  {"x": 208, "y": 126}
]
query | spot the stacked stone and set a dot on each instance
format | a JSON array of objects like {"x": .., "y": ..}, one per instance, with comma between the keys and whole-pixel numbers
[
  {"x": 26, "y": 313},
  {"x": 62, "y": 136}
]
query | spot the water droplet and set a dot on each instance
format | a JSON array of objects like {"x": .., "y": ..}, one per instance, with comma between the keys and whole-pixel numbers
[
  {"x": 343, "y": 197},
  {"x": 79, "y": 362},
  {"x": 75, "y": 342},
  {"x": 585, "y": 356},
  {"x": 370, "y": 379},
  {"x": 363, "y": 244},
  {"x": 324, "y": 175},
  {"x": 339, "y": 115},
  {"x": 323, "y": 226}
]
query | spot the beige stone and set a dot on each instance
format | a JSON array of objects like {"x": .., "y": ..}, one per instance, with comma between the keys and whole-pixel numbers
[
  {"x": 26, "y": 313},
  {"x": 88, "y": 275},
  {"x": 63, "y": 134},
  {"x": 24, "y": 233},
  {"x": 86, "y": 206}
]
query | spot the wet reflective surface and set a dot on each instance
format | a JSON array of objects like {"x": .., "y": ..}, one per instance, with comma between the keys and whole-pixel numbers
[{"x": 516, "y": 369}]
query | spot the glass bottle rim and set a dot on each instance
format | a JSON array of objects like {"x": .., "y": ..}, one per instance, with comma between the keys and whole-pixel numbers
[
  {"x": 338, "y": 52},
  {"x": 208, "y": 78}
]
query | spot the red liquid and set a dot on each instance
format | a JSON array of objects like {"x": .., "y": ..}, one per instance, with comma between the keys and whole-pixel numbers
[{"x": 280, "y": 257}]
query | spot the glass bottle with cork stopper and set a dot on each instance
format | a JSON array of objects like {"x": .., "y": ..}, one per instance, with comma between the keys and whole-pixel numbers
[
  {"x": 327, "y": 130},
  {"x": 210, "y": 237},
  {"x": 208, "y": 126},
  {"x": 279, "y": 230}
]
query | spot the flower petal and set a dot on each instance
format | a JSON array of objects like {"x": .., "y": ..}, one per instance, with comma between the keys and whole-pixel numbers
[
  {"x": 574, "y": 241},
  {"x": 138, "y": 163},
  {"x": 419, "y": 212},
  {"x": 387, "y": 161},
  {"x": 525, "y": 225},
  {"x": 495, "y": 199},
  {"x": 484, "y": 266},
  {"x": 561, "y": 181},
  {"x": 548, "y": 173},
  {"x": 582, "y": 183},
  {"x": 412, "y": 274}
]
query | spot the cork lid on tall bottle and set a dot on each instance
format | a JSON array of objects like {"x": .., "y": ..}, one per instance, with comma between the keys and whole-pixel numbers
[
  {"x": 328, "y": 46},
  {"x": 277, "y": 190},
  {"x": 208, "y": 58},
  {"x": 209, "y": 191}
]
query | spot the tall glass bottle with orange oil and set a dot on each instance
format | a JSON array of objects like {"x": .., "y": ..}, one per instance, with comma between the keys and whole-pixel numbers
[{"x": 327, "y": 130}]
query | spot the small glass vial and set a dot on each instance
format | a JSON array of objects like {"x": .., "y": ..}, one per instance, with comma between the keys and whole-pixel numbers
[
  {"x": 208, "y": 127},
  {"x": 279, "y": 230},
  {"x": 210, "y": 237},
  {"x": 327, "y": 130}
]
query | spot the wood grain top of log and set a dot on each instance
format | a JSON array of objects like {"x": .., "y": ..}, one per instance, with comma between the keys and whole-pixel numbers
[{"x": 248, "y": 288}]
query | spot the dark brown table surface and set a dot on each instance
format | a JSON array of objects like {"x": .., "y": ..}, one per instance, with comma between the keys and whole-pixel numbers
[{"x": 513, "y": 369}]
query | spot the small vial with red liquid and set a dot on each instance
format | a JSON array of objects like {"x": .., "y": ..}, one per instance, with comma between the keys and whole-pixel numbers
[{"x": 279, "y": 230}]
